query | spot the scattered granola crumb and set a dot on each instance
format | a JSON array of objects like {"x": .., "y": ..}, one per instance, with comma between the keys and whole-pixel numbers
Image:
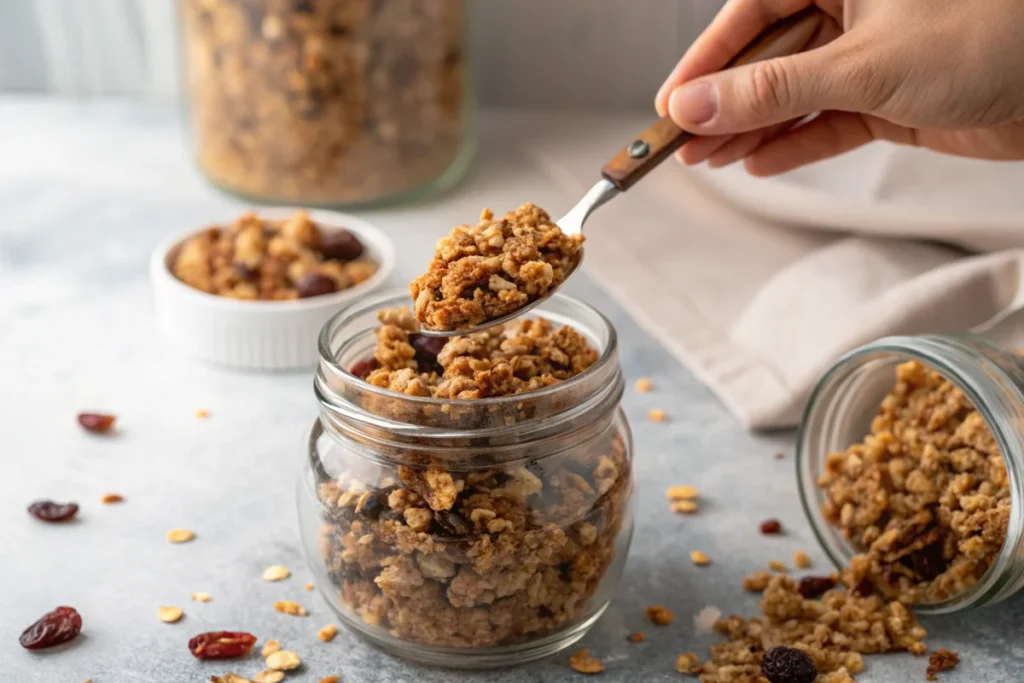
[
  {"x": 180, "y": 535},
  {"x": 777, "y": 566},
  {"x": 780, "y": 456},
  {"x": 283, "y": 660},
  {"x": 202, "y": 413},
  {"x": 276, "y": 573},
  {"x": 918, "y": 649},
  {"x": 704, "y": 620},
  {"x": 688, "y": 663},
  {"x": 681, "y": 492},
  {"x": 269, "y": 648},
  {"x": 269, "y": 676},
  {"x": 757, "y": 581},
  {"x": 169, "y": 615},
  {"x": 657, "y": 415},
  {"x": 112, "y": 498},
  {"x": 941, "y": 660},
  {"x": 308, "y": 586},
  {"x": 660, "y": 615},
  {"x": 841, "y": 675},
  {"x": 801, "y": 560},
  {"x": 230, "y": 678},
  {"x": 327, "y": 633},
  {"x": 643, "y": 385},
  {"x": 637, "y": 637},
  {"x": 699, "y": 558},
  {"x": 771, "y": 527},
  {"x": 582, "y": 661},
  {"x": 684, "y": 507},
  {"x": 201, "y": 597},
  {"x": 289, "y": 607},
  {"x": 330, "y": 679}
]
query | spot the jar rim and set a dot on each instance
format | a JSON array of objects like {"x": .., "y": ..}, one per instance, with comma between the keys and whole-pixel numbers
[{"x": 936, "y": 351}]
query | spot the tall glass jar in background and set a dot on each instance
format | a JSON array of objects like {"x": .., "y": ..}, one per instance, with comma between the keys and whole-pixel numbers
[
  {"x": 328, "y": 102},
  {"x": 467, "y": 533}
]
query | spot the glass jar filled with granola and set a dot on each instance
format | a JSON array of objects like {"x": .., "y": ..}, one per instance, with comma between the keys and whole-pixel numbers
[
  {"x": 468, "y": 502},
  {"x": 328, "y": 102},
  {"x": 910, "y": 461}
]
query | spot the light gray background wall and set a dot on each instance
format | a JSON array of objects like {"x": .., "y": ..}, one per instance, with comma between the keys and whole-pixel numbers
[{"x": 533, "y": 53}]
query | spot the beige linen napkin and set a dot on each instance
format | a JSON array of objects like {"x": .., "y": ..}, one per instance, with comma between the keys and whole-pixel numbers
[{"x": 758, "y": 309}]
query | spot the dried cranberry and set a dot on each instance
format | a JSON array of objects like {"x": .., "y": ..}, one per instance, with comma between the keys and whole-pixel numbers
[
  {"x": 770, "y": 527},
  {"x": 427, "y": 349},
  {"x": 97, "y": 423},
  {"x": 363, "y": 368},
  {"x": 453, "y": 523},
  {"x": 315, "y": 284},
  {"x": 864, "y": 587},
  {"x": 927, "y": 562},
  {"x": 48, "y": 511},
  {"x": 788, "y": 665},
  {"x": 340, "y": 245},
  {"x": 812, "y": 587},
  {"x": 221, "y": 645},
  {"x": 54, "y": 628}
]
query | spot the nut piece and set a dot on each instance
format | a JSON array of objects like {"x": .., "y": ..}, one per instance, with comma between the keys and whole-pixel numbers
[
  {"x": 169, "y": 615},
  {"x": 283, "y": 660},
  {"x": 269, "y": 648},
  {"x": 757, "y": 581},
  {"x": 660, "y": 615},
  {"x": 180, "y": 535},
  {"x": 657, "y": 415},
  {"x": 269, "y": 676},
  {"x": 681, "y": 492},
  {"x": 201, "y": 597},
  {"x": 688, "y": 663},
  {"x": 289, "y": 607},
  {"x": 276, "y": 573},
  {"x": 699, "y": 558},
  {"x": 684, "y": 507},
  {"x": 582, "y": 661},
  {"x": 637, "y": 637},
  {"x": 777, "y": 566},
  {"x": 643, "y": 385},
  {"x": 327, "y": 633},
  {"x": 771, "y": 527},
  {"x": 112, "y": 498},
  {"x": 801, "y": 560}
]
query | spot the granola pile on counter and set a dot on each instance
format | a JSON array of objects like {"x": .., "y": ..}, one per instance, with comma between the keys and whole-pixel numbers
[
  {"x": 456, "y": 555},
  {"x": 255, "y": 258},
  {"x": 925, "y": 496},
  {"x": 494, "y": 268},
  {"x": 324, "y": 101}
]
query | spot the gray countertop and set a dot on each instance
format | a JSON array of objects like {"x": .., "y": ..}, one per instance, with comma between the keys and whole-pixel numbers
[{"x": 86, "y": 191}]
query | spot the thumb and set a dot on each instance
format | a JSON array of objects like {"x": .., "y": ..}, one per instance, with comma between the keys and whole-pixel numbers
[{"x": 765, "y": 93}]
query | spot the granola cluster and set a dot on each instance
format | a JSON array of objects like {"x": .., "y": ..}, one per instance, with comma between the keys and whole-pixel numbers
[
  {"x": 464, "y": 551},
  {"x": 494, "y": 268},
  {"x": 324, "y": 101},
  {"x": 925, "y": 496},
  {"x": 255, "y": 258}
]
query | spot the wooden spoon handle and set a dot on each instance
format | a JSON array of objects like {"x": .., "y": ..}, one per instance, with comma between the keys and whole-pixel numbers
[{"x": 654, "y": 145}]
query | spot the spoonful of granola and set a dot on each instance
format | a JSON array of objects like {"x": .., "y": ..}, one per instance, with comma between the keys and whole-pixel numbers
[{"x": 487, "y": 274}]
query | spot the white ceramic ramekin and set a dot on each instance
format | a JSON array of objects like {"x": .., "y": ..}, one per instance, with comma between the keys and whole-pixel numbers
[{"x": 258, "y": 335}]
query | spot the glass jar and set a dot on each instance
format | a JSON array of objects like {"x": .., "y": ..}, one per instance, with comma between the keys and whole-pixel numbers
[
  {"x": 467, "y": 533},
  {"x": 328, "y": 102},
  {"x": 847, "y": 399}
]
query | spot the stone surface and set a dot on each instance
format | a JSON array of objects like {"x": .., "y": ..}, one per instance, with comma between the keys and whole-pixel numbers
[{"x": 86, "y": 191}]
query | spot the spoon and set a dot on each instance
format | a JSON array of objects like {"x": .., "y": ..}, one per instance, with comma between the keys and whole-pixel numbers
[{"x": 788, "y": 36}]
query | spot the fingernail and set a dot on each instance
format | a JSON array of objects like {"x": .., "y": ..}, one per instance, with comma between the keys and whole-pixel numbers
[{"x": 694, "y": 103}]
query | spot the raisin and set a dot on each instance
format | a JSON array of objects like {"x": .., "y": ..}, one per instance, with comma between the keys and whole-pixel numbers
[
  {"x": 221, "y": 645},
  {"x": 341, "y": 245},
  {"x": 864, "y": 587},
  {"x": 302, "y": 6},
  {"x": 427, "y": 349},
  {"x": 98, "y": 423},
  {"x": 48, "y": 511},
  {"x": 245, "y": 272},
  {"x": 453, "y": 523},
  {"x": 812, "y": 587},
  {"x": 770, "y": 527},
  {"x": 53, "y": 628},
  {"x": 371, "y": 504},
  {"x": 314, "y": 284},
  {"x": 928, "y": 562},
  {"x": 788, "y": 665},
  {"x": 363, "y": 368}
]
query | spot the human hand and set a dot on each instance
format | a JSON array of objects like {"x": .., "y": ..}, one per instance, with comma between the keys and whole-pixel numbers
[{"x": 947, "y": 75}]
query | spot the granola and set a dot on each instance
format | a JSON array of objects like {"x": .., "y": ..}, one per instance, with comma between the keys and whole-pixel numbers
[
  {"x": 925, "y": 497},
  {"x": 325, "y": 101},
  {"x": 255, "y": 258},
  {"x": 494, "y": 268}
]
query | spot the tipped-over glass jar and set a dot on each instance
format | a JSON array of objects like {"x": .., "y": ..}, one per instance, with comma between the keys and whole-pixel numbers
[
  {"x": 467, "y": 533},
  {"x": 910, "y": 460}
]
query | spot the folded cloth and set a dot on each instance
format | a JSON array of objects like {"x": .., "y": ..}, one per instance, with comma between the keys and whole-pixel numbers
[{"x": 886, "y": 241}]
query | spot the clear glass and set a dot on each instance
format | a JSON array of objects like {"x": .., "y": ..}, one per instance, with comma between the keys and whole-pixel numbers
[
  {"x": 846, "y": 399},
  {"x": 328, "y": 102},
  {"x": 518, "y": 530}
]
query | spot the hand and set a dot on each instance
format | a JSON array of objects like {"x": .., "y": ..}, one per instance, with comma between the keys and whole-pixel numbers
[{"x": 947, "y": 75}]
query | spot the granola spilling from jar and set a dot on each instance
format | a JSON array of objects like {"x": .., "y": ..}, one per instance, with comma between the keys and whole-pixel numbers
[
  {"x": 324, "y": 101},
  {"x": 451, "y": 553},
  {"x": 261, "y": 259},
  {"x": 925, "y": 496},
  {"x": 494, "y": 268}
]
